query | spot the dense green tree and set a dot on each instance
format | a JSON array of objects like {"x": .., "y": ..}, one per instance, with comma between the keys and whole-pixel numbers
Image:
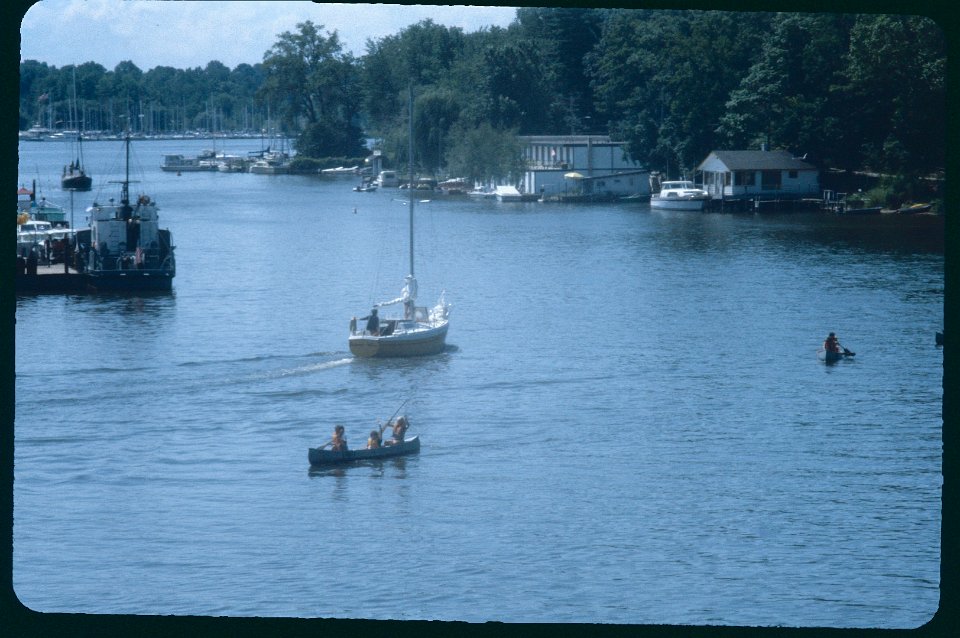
[
  {"x": 894, "y": 94},
  {"x": 485, "y": 154},
  {"x": 311, "y": 82},
  {"x": 786, "y": 99},
  {"x": 662, "y": 78},
  {"x": 563, "y": 37},
  {"x": 422, "y": 54}
]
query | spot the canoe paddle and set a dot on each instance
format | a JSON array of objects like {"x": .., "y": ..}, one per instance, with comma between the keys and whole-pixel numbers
[{"x": 384, "y": 426}]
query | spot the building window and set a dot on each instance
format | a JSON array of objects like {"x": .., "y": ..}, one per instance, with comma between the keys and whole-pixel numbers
[
  {"x": 793, "y": 174},
  {"x": 771, "y": 180},
  {"x": 744, "y": 178}
]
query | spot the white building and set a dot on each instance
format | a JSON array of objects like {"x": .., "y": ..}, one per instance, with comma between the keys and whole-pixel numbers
[
  {"x": 580, "y": 167},
  {"x": 758, "y": 174}
]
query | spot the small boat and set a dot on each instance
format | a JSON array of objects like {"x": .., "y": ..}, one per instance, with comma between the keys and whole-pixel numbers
[
  {"x": 830, "y": 357},
  {"x": 181, "y": 164},
  {"x": 387, "y": 179},
  {"x": 320, "y": 456},
  {"x": 914, "y": 209},
  {"x": 340, "y": 170},
  {"x": 454, "y": 186},
  {"x": 272, "y": 163},
  {"x": 679, "y": 195},
  {"x": 74, "y": 178},
  {"x": 419, "y": 330},
  {"x": 40, "y": 210}
]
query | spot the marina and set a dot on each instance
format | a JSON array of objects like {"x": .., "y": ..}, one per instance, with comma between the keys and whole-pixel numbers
[{"x": 161, "y": 459}]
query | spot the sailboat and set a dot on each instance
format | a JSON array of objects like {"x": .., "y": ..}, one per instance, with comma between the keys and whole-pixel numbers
[
  {"x": 74, "y": 177},
  {"x": 125, "y": 249},
  {"x": 419, "y": 330}
]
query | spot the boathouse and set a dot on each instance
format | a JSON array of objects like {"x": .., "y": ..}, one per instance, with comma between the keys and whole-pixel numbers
[
  {"x": 762, "y": 174},
  {"x": 578, "y": 167}
]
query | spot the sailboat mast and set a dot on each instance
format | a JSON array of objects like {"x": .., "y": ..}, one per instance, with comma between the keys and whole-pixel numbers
[{"x": 410, "y": 184}]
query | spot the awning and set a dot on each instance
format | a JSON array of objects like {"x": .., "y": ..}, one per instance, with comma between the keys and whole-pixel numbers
[{"x": 573, "y": 175}]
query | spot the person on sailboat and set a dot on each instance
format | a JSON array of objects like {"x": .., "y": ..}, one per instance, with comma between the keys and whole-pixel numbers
[
  {"x": 408, "y": 296},
  {"x": 373, "y": 322}
]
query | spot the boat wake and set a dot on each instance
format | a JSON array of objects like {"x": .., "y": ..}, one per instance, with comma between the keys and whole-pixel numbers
[{"x": 313, "y": 367}]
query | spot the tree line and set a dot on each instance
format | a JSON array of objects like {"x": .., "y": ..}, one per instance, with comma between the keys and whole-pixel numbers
[{"x": 854, "y": 92}]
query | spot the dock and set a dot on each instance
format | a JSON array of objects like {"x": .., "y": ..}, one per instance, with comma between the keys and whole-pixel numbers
[{"x": 53, "y": 278}]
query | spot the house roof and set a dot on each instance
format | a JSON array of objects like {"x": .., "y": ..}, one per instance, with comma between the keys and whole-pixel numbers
[{"x": 759, "y": 160}]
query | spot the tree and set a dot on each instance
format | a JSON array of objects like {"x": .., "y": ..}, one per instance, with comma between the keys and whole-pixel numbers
[
  {"x": 484, "y": 153},
  {"x": 894, "y": 94},
  {"x": 662, "y": 77},
  {"x": 311, "y": 82},
  {"x": 786, "y": 99}
]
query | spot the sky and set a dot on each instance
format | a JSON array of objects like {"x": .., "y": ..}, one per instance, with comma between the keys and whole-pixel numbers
[{"x": 191, "y": 33}]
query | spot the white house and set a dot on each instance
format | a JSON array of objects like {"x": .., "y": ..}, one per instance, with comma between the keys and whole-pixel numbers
[
  {"x": 580, "y": 167},
  {"x": 758, "y": 174}
]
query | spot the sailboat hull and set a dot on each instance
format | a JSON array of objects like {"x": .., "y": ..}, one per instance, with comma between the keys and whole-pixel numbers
[
  {"x": 76, "y": 183},
  {"x": 414, "y": 343}
]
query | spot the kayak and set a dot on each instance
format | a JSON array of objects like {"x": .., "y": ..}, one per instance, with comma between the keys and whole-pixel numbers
[{"x": 320, "y": 456}]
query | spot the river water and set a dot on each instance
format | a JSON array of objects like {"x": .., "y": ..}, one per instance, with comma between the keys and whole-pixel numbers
[{"x": 629, "y": 425}]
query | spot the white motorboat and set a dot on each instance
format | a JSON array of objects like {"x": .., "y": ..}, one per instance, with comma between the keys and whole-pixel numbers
[{"x": 679, "y": 195}]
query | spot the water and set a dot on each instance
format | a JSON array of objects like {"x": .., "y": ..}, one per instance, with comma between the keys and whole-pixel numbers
[{"x": 630, "y": 424}]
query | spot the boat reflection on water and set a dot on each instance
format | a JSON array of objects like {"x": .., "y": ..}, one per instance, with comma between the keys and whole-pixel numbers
[{"x": 397, "y": 465}]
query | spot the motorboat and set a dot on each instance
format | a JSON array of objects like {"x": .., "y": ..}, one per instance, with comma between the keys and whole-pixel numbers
[{"x": 679, "y": 195}]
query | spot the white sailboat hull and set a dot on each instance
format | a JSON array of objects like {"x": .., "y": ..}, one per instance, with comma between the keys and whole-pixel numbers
[{"x": 425, "y": 339}]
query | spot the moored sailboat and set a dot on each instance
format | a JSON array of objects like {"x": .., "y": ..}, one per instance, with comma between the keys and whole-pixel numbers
[
  {"x": 419, "y": 330},
  {"x": 74, "y": 177}
]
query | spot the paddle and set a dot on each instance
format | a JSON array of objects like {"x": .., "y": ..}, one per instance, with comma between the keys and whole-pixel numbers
[
  {"x": 384, "y": 426},
  {"x": 846, "y": 352}
]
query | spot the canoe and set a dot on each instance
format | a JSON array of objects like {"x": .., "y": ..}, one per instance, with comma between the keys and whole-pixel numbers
[
  {"x": 319, "y": 456},
  {"x": 830, "y": 357}
]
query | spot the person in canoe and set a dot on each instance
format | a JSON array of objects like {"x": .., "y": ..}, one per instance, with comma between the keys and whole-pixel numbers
[
  {"x": 338, "y": 443},
  {"x": 399, "y": 429},
  {"x": 376, "y": 438},
  {"x": 832, "y": 344}
]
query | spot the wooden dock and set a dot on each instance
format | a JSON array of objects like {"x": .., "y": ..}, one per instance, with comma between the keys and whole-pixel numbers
[{"x": 54, "y": 278}]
